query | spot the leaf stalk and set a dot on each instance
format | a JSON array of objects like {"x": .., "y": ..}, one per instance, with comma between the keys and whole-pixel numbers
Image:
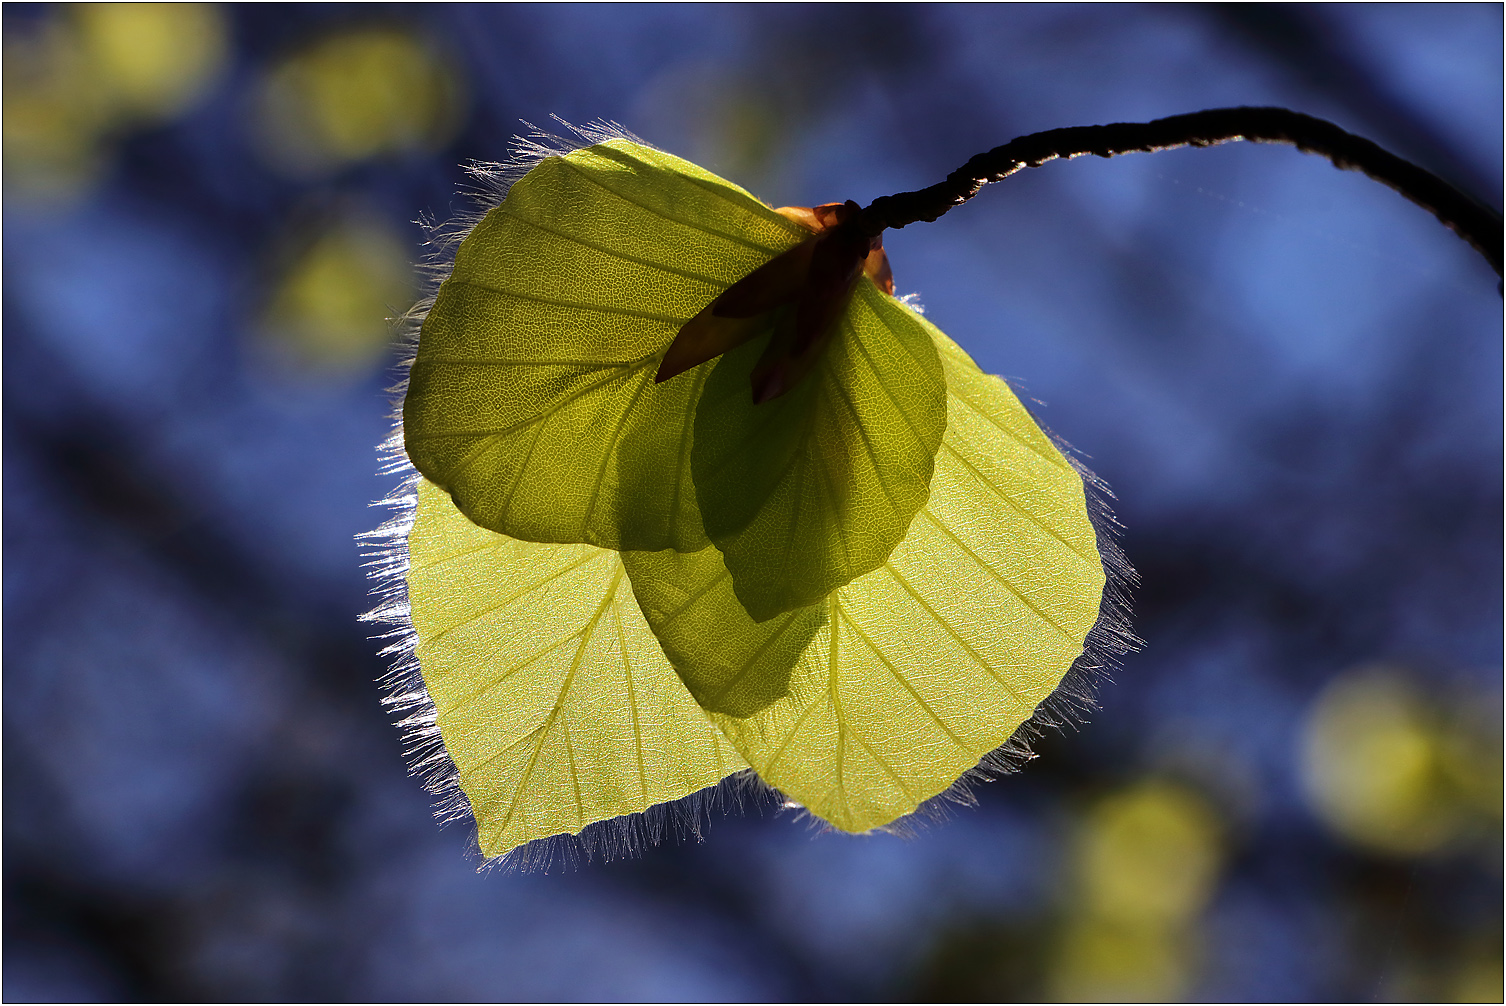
[{"x": 1473, "y": 221}]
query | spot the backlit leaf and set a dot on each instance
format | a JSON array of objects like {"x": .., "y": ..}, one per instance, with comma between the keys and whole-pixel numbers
[
  {"x": 811, "y": 490},
  {"x": 730, "y": 663},
  {"x": 553, "y": 698},
  {"x": 532, "y": 398},
  {"x": 623, "y": 591},
  {"x": 915, "y": 671}
]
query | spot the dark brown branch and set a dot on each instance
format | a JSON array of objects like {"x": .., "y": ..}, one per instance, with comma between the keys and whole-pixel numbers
[{"x": 1472, "y": 221}]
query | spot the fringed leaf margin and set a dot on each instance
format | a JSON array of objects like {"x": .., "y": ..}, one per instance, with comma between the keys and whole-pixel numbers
[{"x": 405, "y": 696}]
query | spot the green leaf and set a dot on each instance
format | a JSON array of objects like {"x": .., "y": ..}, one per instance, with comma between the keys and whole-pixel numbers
[
  {"x": 730, "y": 663},
  {"x": 918, "y": 669},
  {"x": 809, "y": 491},
  {"x": 532, "y": 397},
  {"x": 553, "y": 698},
  {"x": 902, "y": 570}
]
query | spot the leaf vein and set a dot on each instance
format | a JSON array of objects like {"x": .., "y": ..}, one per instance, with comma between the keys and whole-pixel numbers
[
  {"x": 612, "y": 252},
  {"x": 660, "y": 213},
  {"x": 543, "y": 729},
  {"x": 1013, "y": 505},
  {"x": 998, "y": 576},
  {"x": 627, "y": 670},
  {"x": 606, "y": 455},
  {"x": 530, "y": 588},
  {"x": 618, "y": 371},
  {"x": 573, "y": 305},
  {"x": 947, "y": 628},
  {"x": 905, "y": 683}
]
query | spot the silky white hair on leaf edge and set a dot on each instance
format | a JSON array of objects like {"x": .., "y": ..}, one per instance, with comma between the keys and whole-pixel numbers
[{"x": 385, "y": 549}]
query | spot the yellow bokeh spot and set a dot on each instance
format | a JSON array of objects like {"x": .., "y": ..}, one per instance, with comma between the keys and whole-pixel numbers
[
  {"x": 1389, "y": 769},
  {"x": 1150, "y": 854},
  {"x": 357, "y": 95},
  {"x": 1145, "y": 865},
  {"x": 73, "y": 81},
  {"x": 155, "y": 58},
  {"x": 1100, "y": 960},
  {"x": 332, "y": 310},
  {"x": 53, "y": 113},
  {"x": 1478, "y": 980}
]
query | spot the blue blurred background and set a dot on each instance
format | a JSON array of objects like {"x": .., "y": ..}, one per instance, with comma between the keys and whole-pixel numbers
[{"x": 1291, "y": 377}]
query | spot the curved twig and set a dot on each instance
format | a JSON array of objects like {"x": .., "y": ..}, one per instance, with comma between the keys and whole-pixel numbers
[{"x": 1475, "y": 223}]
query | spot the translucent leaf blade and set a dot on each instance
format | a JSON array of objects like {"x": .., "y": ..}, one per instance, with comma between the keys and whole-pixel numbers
[
  {"x": 552, "y": 695},
  {"x": 923, "y": 666},
  {"x": 730, "y": 663},
  {"x": 807, "y": 492},
  {"x": 532, "y": 397}
]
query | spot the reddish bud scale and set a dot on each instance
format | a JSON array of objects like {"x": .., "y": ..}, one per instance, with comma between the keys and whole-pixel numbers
[{"x": 805, "y": 290}]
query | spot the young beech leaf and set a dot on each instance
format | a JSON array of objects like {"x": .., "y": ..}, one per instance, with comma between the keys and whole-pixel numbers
[
  {"x": 883, "y": 694},
  {"x": 805, "y": 492},
  {"x": 730, "y": 663},
  {"x": 532, "y": 397},
  {"x": 622, "y": 591},
  {"x": 552, "y": 696}
]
